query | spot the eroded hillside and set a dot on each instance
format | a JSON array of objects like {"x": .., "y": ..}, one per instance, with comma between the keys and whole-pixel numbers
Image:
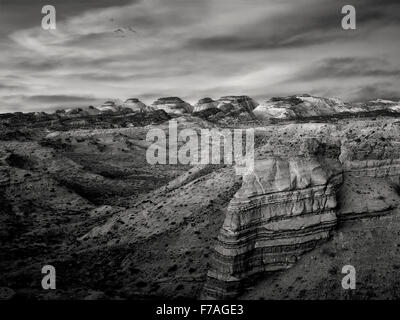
[{"x": 78, "y": 193}]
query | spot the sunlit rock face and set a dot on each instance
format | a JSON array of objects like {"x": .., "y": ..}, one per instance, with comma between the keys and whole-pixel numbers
[
  {"x": 108, "y": 106},
  {"x": 300, "y": 106},
  {"x": 136, "y": 105},
  {"x": 172, "y": 105},
  {"x": 284, "y": 208},
  {"x": 296, "y": 194},
  {"x": 379, "y": 104},
  {"x": 204, "y": 104},
  {"x": 226, "y": 107},
  {"x": 77, "y": 112},
  {"x": 306, "y": 106},
  {"x": 240, "y": 103}
]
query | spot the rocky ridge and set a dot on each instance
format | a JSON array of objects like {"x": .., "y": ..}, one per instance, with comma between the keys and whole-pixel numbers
[{"x": 306, "y": 106}]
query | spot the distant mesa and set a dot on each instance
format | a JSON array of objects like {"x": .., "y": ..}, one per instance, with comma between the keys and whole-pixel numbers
[
  {"x": 114, "y": 107},
  {"x": 108, "y": 106},
  {"x": 305, "y": 106},
  {"x": 136, "y": 105},
  {"x": 204, "y": 104},
  {"x": 78, "y": 112},
  {"x": 172, "y": 105},
  {"x": 379, "y": 104},
  {"x": 240, "y": 103},
  {"x": 300, "y": 106},
  {"x": 227, "y": 104}
]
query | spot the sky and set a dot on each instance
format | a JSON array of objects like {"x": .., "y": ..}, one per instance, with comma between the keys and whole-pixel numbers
[{"x": 147, "y": 49}]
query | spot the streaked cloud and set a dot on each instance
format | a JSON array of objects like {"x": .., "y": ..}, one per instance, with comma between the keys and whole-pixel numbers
[{"x": 192, "y": 49}]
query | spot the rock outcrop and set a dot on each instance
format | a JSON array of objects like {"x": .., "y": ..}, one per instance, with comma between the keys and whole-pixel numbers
[
  {"x": 172, "y": 105},
  {"x": 378, "y": 104},
  {"x": 284, "y": 208},
  {"x": 372, "y": 152},
  {"x": 108, "y": 106},
  {"x": 306, "y": 106},
  {"x": 240, "y": 103},
  {"x": 300, "y": 106},
  {"x": 136, "y": 105},
  {"x": 27, "y": 125},
  {"x": 204, "y": 104},
  {"x": 298, "y": 192}
]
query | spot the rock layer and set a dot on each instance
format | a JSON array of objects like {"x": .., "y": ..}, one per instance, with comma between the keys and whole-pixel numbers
[
  {"x": 289, "y": 203},
  {"x": 306, "y": 106},
  {"x": 204, "y": 104},
  {"x": 240, "y": 103},
  {"x": 136, "y": 105},
  {"x": 299, "y": 107},
  {"x": 372, "y": 152},
  {"x": 284, "y": 208},
  {"x": 172, "y": 105}
]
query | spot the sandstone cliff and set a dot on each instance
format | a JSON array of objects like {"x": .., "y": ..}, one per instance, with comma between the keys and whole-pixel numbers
[
  {"x": 284, "y": 208},
  {"x": 297, "y": 194}
]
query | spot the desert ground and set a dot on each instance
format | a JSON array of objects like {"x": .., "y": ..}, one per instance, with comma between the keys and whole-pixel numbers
[{"x": 77, "y": 192}]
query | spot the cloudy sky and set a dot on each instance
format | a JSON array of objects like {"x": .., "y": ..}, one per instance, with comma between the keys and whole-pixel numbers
[{"x": 107, "y": 49}]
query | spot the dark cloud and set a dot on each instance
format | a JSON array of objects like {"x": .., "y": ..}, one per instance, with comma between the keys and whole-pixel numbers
[
  {"x": 284, "y": 31},
  {"x": 349, "y": 67},
  {"x": 295, "y": 29},
  {"x": 11, "y": 87},
  {"x": 60, "y": 98},
  {"x": 42, "y": 102},
  {"x": 28, "y": 13},
  {"x": 51, "y": 98},
  {"x": 375, "y": 91},
  {"x": 193, "y": 48},
  {"x": 48, "y": 64}
]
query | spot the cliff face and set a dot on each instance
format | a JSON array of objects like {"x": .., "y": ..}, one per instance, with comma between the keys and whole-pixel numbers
[
  {"x": 299, "y": 106},
  {"x": 240, "y": 103},
  {"x": 372, "y": 151},
  {"x": 283, "y": 209},
  {"x": 172, "y": 105},
  {"x": 204, "y": 104},
  {"x": 296, "y": 195}
]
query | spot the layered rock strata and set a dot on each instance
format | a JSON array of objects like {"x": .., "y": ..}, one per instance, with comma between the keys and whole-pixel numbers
[
  {"x": 299, "y": 107},
  {"x": 136, "y": 105},
  {"x": 297, "y": 194},
  {"x": 204, "y": 104},
  {"x": 307, "y": 106},
  {"x": 371, "y": 165},
  {"x": 172, "y": 105},
  {"x": 374, "y": 153},
  {"x": 283, "y": 209},
  {"x": 240, "y": 103}
]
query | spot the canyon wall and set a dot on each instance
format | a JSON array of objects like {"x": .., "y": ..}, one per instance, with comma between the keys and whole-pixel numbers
[
  {"x": 289, "y": 203},
  {"x": 284, "y": 208}
]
